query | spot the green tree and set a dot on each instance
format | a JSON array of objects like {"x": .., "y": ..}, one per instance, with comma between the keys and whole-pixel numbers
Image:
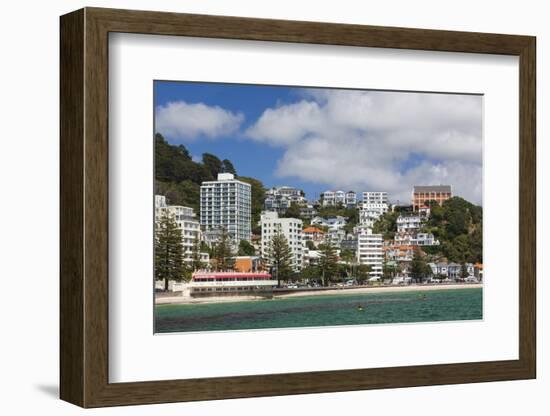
[
  {"x": 223, "y": 252},
  {"x": 464, "y": 271},
  {"x": 196, "y": 261},
  {"x": 280, "y": 257},
  {"x": 169, "y": 264},
  {"x": 293, "y": 211},
  {"x": 349, "y": 258},
  {"x": 328, "y": 263},
  {"x": 419, "y": 268},
  {"x": 246, "y": 249},
  {"x": 310, "y": 273},
  {"x": 386, "y": 225},
  {"x": 389, "y": 270},
  {"x": 212, "y": 164},
  {"x": 363, "y": 272},
  {"x": 227, "y": 167},
  {"x": 310, "y": 245}
]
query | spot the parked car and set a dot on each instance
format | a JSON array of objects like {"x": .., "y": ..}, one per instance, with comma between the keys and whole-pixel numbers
[{"x": 351, "y": 282}]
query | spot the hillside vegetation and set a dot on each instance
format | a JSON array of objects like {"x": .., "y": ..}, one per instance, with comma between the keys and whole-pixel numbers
[
  {"x": 178, "y": 177},
  {"x": 457, "y": 224}
]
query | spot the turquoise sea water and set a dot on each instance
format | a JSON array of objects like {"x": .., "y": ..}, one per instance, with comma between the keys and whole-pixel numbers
[{"x": 326, "y": 310}]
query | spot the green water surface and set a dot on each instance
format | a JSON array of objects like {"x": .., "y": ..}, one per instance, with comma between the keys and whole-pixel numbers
[{"x": 325, "y": 310}]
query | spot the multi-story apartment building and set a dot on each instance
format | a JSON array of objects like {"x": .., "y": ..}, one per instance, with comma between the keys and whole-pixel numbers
[
  {"x": 369, "y": 212},
  {"x": 370, "y": 250},
  {"x": 351, "y": 199},
  {"x": 451, "y": 270},
  {"x": 415, "y": 239},
  {"x": 375, "y": 197},
  {"x": 280, "y": 198},
  {"x": 290, "y": 228},
  {"x": 424, "y": 194},
  {"x": 332, "y": 198},
  {"x": 409, "y": 223},
  {"x": 226, "y": 203},
  {"x": 186, "y": 220}
]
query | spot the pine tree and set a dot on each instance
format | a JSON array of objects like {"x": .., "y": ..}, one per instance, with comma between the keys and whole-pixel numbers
[
  {"x": 169, "y": 264},
  {"x": 196, "y": 262},
  {"x": 280, "y": 257},
  {"x": 328, "y": 263},
  {"x": 419, "y": 268},
  {"x": 223, "y": 252},
  {"x": 464, "y": 271}
]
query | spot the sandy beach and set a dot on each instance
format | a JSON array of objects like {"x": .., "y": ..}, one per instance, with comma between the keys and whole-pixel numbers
[{"x": 165, "y": 300}]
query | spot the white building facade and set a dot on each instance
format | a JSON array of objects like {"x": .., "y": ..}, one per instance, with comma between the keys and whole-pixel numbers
[
  {"x": 291, "y": 228},
  {"x": 375, "y": 197},
  {"x": 409, "y": 223},
  {"x": 370, "y": 250},
  {"x": 280, "y": 198},
  {"x": 226, "y": 203},
  {"x": 373, "y": 206},
  {"x": 186, "y": 220},
  {"x": 333, "y": 198}
]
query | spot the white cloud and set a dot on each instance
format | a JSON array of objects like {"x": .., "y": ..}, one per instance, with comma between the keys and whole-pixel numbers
[
  {"x": 184, "y": 121},
  {"x": 378, "y": 140}
]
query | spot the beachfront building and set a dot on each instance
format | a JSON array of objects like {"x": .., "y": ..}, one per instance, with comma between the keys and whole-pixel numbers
[
  {"x": 226, "y": 203},
  {"x": 451, "y": 270},
  {"x": 421, "y": 195},
  {"x": 280, "y": 198},
  {"x": 409, "y": 223},
  {"x": 291, "y": 228},
  {"x": 186, "y": 220},
  {"x": 206, "y": 284},
  {"x": 332, "y": 198},
  {"x": 370, "y": 250}
]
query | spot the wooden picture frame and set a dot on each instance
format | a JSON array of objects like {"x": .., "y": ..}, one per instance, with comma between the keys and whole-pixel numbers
[{"x": 84, "y": 207}]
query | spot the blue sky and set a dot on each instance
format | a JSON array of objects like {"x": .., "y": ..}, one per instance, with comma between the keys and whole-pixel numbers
[{"x": 318, "y": 139}]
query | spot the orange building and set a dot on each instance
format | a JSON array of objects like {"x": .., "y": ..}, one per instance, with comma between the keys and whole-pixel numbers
[
  {"x": 423, "y": 194},
  {"x": 248, "y": 264}
]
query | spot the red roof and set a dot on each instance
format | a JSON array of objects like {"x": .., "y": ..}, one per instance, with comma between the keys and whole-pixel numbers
[{"x": 226, "y": 275}]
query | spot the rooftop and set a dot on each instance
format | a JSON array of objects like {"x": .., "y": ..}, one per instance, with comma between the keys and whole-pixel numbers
[{"x": 432, "y": 188}]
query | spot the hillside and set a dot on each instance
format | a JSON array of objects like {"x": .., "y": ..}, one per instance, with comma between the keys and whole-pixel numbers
[
  {"x": 178, "y": 177},
  {"x": 457, "y": 224}
]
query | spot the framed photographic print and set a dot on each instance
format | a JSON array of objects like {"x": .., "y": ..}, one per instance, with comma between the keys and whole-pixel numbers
[{"x": 255, "y": 207}]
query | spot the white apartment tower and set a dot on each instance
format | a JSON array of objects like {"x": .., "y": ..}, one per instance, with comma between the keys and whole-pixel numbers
[
  {"x": 291, "y": 228},
  {"x": 185, "y": 219},
  {"x": 374, "y": 205},
  {"x": 369, "y": 250},
  {"x": 226, "y": 203}
]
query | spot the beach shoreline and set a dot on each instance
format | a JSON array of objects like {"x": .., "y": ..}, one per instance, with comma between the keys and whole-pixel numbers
[{"x": 181, "y": 300}]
